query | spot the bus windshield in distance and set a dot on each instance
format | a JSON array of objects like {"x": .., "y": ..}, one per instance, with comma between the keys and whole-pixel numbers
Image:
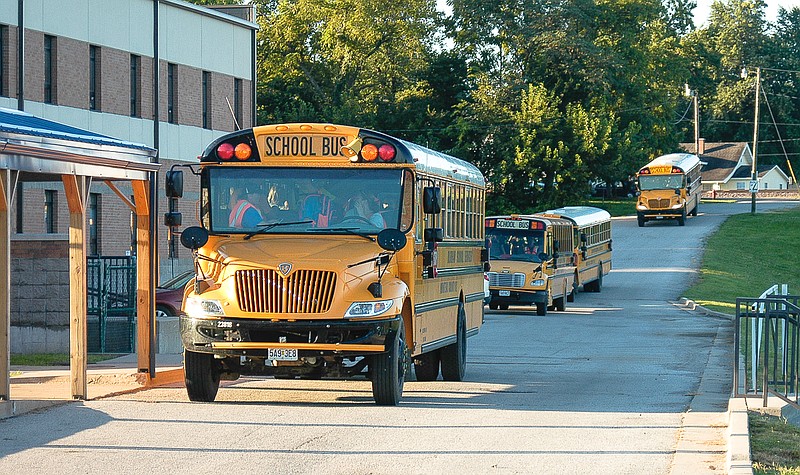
[
  {"x": 515, "y": 244},
  {"x": 306, "y": 199},
  {"x": 660, "y": 182}
]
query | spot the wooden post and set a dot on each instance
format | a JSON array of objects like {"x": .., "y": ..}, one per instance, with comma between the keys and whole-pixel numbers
[
  {"x": 76, "y": 189},
  {"x": 145, "y": 301},
  {"x": 5, "y": 285}
]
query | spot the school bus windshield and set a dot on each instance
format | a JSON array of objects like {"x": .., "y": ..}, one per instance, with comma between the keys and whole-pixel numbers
[
  {"x": 306, "y": 200},
  {"x": 515, "y": 244},
  {"x": 660, "y": 182}
]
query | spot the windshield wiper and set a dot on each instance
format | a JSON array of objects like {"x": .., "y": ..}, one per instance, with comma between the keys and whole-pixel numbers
[
  {"x": 346, "y": 230},
  {"x": 266, "y": 227}
]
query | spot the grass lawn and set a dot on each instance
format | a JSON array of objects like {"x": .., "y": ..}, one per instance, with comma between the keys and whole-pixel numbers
[
  {"x": 774, "y": 445},
  {"x": 55, "y": 359},
  {"x": 616, "y": 206},
  {"x": 747, "y": 255}
]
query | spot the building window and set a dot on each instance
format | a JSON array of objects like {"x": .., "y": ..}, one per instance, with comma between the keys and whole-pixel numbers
[
  {"x": 172, "y": 78},
  {"x": 135, "y": 84},
  {"x": 206, "y": 100},
  {"x": 50, "y": 212},
  {"x": 20, "y": 206},
  {"x": 237, "y": 103},
  {"x": 49, "y": 56},
  {"x": 94, "y": 78},
  {"x": 93, "y": 215},
  {"x": 740, "y": 185}
]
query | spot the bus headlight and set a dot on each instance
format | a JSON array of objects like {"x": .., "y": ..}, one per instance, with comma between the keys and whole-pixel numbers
[
  {"x": 537, "y": 283},
  {"x": 197, "y": 307},
  {"x": 368, "y": 309},
  {"x": 641, "y": 206},
  {"x": 678, "y": 205}
]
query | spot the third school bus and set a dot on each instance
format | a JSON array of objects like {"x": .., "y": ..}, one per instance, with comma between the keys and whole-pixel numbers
[
  {"x": 330, "y": 251},
  {"x": 592, "y": 238},
  {"x": 531, "y": 261},
  {"x": 668, "y": 188}
]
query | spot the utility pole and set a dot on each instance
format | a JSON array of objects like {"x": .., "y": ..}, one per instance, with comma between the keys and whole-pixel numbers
[
  {"x": 754, "y": 169},
  {"x": 693, "y": 94}
]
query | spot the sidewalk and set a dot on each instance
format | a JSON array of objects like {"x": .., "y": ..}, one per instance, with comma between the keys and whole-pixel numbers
[{"x": 37, "y": 387}]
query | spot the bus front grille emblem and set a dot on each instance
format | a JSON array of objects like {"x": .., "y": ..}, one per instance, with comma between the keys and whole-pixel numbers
[{"x": 285, "y": 268}]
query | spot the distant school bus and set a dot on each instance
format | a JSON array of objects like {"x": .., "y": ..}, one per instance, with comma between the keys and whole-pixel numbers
[
  {"x": 531, "y": 261},
  {"x": 329, "y": 251},
  {"x": 668, "y": 188},
  {"x": 592, "y": 238}
]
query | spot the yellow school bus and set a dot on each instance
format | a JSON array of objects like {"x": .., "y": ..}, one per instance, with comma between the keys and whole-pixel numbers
[
  {"x": 592, "y": 238},
  {"x": 531, "y": 261},
  {"x": 329, "y": 251},
  {"x": 668, "y": 188}
]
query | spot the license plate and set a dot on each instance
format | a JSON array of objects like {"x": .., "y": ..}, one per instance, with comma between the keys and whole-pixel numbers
[
  {"x": 504, "y": 293},
  {"x": 282, "y": 354}
]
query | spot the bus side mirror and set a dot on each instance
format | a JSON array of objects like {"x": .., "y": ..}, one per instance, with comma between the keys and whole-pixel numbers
[
  {"x": 544, "y": 257},
  {"x": 432, "y": 200},
  {"x": 174, "y": 184},
  {"x": 583, "y": 238},
  {"x": 433, "y": 235},
  {"x": 556, "y": 246},
  {"x": 484, "y": 255},
  {"x": 487, "y": 266},
  {"x": 391, "y": 239},
  {"x": 194, "y": 237},
  {"x": 173, "y": 218}
]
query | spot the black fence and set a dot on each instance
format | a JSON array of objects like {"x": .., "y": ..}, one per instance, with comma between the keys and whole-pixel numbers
[
  {"x": 111, "y": 304},
  {"x": 767, "y": 347}
]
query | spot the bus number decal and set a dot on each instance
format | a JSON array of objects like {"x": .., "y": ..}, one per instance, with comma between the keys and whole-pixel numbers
[
  {"x": 304, "y": 145},
  {"x": 459, "y": 257},
  {"x": 447, "y": 287},
  {"x": 661, "y": 169}
]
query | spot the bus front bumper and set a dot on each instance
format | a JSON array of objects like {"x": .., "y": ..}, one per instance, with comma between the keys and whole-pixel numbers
[
  {"x": 516, "y": 297},
  {"x": 660, "y": 213},
  {"x": 227, "y": 337}
]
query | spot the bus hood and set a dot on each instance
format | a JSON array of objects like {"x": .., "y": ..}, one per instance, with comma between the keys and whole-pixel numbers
[{"x": 308, "y": 253}]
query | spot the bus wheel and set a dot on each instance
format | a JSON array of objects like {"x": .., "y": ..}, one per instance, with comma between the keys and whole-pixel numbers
[
  {"x": 696, "y": 205},
  {"x": 558, "y": 304},
  {"x": 682, "y": 218},
  {"x": 202, "y": 376},
  {"x": 640, "y": 220},
  {"x": 389, "y": 371},
  {"x": 454, "y": 357},
  {"x": 493, "y": 306},
  {"x": 503, "y": 306},
  {"x": 426, "y": 366},
  {"x": 571, "y": 294},
  {"x": 541, "y": 309}
]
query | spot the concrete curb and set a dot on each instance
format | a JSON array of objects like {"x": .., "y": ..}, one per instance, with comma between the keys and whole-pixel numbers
[{"x": 738, "y": 460}]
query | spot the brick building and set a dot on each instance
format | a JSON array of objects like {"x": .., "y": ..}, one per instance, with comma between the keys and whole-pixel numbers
[{"x": 92, "y": 65}]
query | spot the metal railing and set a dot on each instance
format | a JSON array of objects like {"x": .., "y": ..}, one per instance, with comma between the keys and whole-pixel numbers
[
  {"x": 111, "y": 304},
  {"x": 767, "y": 347}
]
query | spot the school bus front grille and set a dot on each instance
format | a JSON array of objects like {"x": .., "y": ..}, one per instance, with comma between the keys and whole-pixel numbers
[
  {"x": 658, "y": 203},
  {"x": 506, "y": 280},
  {"x": 267, "y": 291}
]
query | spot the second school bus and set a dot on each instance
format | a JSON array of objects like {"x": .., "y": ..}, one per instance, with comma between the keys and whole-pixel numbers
[
  {"x": 329, "y": 251},
  {"x": 531, "y": 261},
  {"x": 592, "y": 238},
  {"x": 668, "y": 188}
]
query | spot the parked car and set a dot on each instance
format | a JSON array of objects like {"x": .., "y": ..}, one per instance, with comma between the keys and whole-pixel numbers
[
  {"x": 169, "y": 295},
  {"x": 487, "y": 295}
]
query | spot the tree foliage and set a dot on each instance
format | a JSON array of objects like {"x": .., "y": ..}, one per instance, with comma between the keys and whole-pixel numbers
[{"x": 544, "y": 96}]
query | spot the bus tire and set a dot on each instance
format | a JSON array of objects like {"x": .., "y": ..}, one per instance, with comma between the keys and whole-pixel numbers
[
  {"x": 454, "y": 357},
  {"x": 559, "y": 304},
  {"x": 503, "y": 306},
  {"x": 696, "y": 205},
  {"x": 493, "y": 306},
  {"x": 571, "y": 295},
  {"x": 541, "y": 309},
  {"x": 426, "y": 366},
  {"x": 682, "y": 218},
  {"x": 641, "y": 221},
  {"x": 201, "y": 376},
  {"x": 389, "y": 371}
]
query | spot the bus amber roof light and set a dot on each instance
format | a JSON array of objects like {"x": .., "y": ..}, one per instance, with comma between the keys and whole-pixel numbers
[
  {"x": 386, "y": 152},
  {"x": 369, "y": 152},
  {"x": 225, "y": 151},
  {"x": 351, "y": 150},
  {"x": 243, "y": 151}
]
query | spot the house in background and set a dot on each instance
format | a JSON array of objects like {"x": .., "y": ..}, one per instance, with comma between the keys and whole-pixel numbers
[{"x": 728, "y": 167}]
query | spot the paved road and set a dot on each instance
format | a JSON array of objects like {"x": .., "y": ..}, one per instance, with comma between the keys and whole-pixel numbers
[{"x": 624, "y": 381}]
